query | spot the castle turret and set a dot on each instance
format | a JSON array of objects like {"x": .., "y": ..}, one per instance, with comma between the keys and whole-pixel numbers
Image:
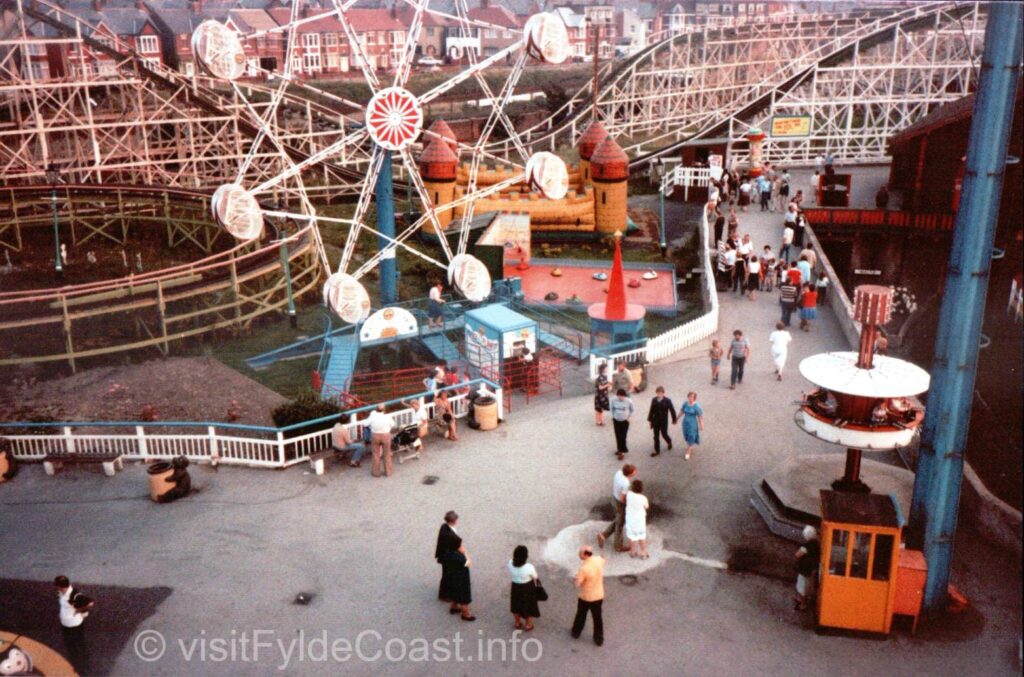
[
  {"x": 590, "y": 140},
  {"x": 440, "y": 128},
  {"x": 609, "y": 172},
  {"x": 439, "y": 168}
]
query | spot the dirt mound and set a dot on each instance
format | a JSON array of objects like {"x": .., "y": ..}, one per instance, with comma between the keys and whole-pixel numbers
[{"x": 177, "y": 389}]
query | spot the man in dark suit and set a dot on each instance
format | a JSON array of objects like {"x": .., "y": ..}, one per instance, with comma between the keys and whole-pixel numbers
[
  {"x": 658, "y": 416},
  {"x": 447, "y": 539}
]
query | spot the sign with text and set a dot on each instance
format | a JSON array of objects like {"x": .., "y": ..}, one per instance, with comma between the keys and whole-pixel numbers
[{"x": 784, "y": 126}]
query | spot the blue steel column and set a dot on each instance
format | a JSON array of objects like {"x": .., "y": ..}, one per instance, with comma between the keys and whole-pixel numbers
[
  {"x": 386, "y": 226},
  {"x": 661, "y": 218},
  {"x": 944, "y": 434}
]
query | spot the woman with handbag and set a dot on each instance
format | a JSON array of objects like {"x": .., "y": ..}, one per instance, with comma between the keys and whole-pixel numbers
[{"x": 526, "y": 589}]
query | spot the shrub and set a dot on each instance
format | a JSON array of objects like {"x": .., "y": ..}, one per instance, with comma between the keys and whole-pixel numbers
[{"x": 308, "y": 406}]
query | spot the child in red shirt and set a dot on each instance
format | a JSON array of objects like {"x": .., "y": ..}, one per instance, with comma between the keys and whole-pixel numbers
[{"x": 808, "y": 307}]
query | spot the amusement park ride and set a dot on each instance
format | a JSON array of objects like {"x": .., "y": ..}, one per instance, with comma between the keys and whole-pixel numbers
[{"x": 393, "y": 122}]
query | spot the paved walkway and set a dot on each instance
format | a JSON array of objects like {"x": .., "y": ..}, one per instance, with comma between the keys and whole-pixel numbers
[{"x": 235, "y": 556}]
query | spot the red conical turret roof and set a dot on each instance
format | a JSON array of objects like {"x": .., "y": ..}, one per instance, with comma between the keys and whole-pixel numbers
[
  {"x": 594, "y": 135},
  {"x": 615, "y": 304},
  {"x": 438, "y": 161},
  {"x": 609, "y": 162},
  {"x": 441, "y": 128}
]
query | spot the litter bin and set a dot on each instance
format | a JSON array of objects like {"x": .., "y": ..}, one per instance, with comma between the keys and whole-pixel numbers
[
  {"x": 159, "y": 479},
  {"x": 486, "y": 413}
]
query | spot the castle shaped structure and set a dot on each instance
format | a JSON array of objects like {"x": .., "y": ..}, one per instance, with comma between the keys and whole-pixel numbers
[{"x": 595, "y": 203}]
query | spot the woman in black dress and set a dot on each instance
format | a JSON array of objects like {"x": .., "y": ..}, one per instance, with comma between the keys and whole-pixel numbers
[
  {"x": 601, "y": 387},
  {"x": 455, "y": 580},
  {"x": 524, "y": 589}
]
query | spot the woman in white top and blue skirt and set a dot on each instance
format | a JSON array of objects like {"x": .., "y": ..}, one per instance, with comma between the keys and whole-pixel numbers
[{"x": 524, "y": 589}]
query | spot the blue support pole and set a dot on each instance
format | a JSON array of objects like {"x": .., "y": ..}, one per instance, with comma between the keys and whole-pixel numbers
[
  {"x": 944, "y": 433},
  {"x": 386, "y": 226}
]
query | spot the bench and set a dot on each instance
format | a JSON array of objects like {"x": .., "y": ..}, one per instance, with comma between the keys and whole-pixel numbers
[
  {"x": 318, "y": 460},
  {"x": 110, "y": 460}
]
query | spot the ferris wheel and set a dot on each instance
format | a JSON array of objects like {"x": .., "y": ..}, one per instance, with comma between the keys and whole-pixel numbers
[{"x": 394, "y": 125}]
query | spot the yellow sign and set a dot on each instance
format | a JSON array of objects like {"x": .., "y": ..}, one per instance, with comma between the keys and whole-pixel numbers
[{"x": 791, "y": 126}]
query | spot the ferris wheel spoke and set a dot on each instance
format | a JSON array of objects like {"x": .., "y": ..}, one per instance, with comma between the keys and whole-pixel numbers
[
  {"x": 354, "y": 45},
  {"x": 361, "y": 207},
  {"x": 450, "y": 84},
  {"x": 428, "y": 205},
  {"x": 355, "y": 137},
  {"x": 411, "y": 38},
  {"x": 264, "y": 123}
]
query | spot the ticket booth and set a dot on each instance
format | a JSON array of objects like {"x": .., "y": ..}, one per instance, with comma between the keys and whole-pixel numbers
[
  {"x": 497, "y": 335},
  {"x": 860, "y": 550}
]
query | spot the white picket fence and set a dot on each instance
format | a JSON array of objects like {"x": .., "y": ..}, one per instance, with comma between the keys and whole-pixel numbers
[
  {"x": 678, "y": 338},
  {"x": 251, "y": 446},
  {"x": 686, "y": 177}
]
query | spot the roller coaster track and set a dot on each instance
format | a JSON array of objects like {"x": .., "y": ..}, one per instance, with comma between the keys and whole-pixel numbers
[
  {"x": 704, "y": 83},
  {"x": 165, "y": 96}
]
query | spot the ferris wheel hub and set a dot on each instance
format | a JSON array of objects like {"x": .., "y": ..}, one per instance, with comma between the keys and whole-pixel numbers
[{"x": 394, "y": 118}]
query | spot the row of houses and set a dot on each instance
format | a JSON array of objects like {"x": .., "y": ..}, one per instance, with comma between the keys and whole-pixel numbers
[{"x": 160, "y": 31}]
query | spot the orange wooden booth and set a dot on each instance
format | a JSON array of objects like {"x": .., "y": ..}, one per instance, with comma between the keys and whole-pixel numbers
[{"x": 866, "y": 577}]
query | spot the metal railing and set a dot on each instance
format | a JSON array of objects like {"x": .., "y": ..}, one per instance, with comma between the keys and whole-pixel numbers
[{"x": 212, "y": 442}]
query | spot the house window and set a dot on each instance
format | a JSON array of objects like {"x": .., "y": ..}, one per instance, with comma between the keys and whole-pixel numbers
[
  {"x": 151, "y": 64},
  {"x": 106, "y": 41},
  {"x": 252, "y": 66},
  {"x": 148, "y": 43},
  {"x": 296, "y": 64},
  {"x": 106, "y": 68},
  {"x": 312, "y": 62},
  {"x": 190, "y": 68},
  {"x": 330, "y": 39},
  {"x": 311, "y": 41},
  {"x": 371, "y": 38},
  {"x": 490, "y": 33},
  {"x": 431, "y": 31}
]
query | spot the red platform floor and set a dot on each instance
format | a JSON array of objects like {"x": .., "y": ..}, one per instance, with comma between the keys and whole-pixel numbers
[{"x": 577, "y": 278}]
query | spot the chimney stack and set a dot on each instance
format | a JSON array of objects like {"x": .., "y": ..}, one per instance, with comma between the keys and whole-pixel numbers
[{"x": 97, "y": 5}]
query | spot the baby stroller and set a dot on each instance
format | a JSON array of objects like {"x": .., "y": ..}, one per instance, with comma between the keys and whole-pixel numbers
[{"x": 406, "y": 443}]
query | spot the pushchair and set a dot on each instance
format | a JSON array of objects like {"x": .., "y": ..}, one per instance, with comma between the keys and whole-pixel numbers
[{"x": 406, "y": 443}]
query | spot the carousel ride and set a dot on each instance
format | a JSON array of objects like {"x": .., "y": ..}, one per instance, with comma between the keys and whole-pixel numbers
[{"x": 861, "y": 400}]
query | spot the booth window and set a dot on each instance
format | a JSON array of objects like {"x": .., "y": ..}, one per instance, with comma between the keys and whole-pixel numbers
[
  {"x": 837, "y": 558},
  {"x": 437, "y": 197},
  {"x": 882, "y": 559},
  {"x": 604, "y": 197},
  {"x": 861, "y": 554}
]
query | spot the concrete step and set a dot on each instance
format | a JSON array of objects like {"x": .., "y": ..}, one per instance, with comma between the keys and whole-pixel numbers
[{"x": 775, "y": 516}]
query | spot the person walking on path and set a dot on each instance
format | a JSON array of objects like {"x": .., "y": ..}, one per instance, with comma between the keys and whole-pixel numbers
[
  {"x": 620, "y": 485},
  {"x": 446, "y": 536},
  {"x": 765, "y": 187},
  {"x": 783, "y": 192},
  {"x": 435, "y": 305},
  {"x": 739, "y": 352},
  {"x": 779, "y": 341},
  {"x": 601, "y": 387},
  {"x": 660, "y": 412},
  {"x": 589, "y": 581},
  {"x": 808, "y": 559},
  {"x": 715, "y": 353},
  {"x": 74, "y": 609},
  {"x": 637, "y": 506},
  {"x": 787, "y": 243},
  {"x": 789, "y": 293},
  {"x": 456, "y": 571},
  {"x": 804, "y": 266},
  {"x": 753, "y": 275},
  {"x": 693, "y": 422},
  {"x": 622, "y": 379},
  {"x": 622, "y": 409},
  {"x": 808, "y": 307},
  {"x": 524, "y": 589},
  {"x": 821, "y": 286},
  {"x": 381, "y": 424}
]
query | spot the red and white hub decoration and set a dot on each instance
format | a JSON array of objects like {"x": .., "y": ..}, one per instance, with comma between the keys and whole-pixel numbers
[{"x": 394, "y": 118}]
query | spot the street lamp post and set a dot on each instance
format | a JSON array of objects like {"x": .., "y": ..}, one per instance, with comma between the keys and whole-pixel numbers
[{"x": 53, "y": 175}]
